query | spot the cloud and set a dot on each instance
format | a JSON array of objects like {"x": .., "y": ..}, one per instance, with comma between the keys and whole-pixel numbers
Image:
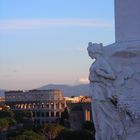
[
  {"x": 44, "y": 23},
  {"x": 81, "y": 49},
  {"x": 83, "y": 80}
]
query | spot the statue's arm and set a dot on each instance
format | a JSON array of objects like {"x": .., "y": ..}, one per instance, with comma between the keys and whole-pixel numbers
[{"x": 105, "y": 74}]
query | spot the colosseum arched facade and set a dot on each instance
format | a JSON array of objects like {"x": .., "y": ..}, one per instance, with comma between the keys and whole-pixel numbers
[{"x": 45, "y": 105}]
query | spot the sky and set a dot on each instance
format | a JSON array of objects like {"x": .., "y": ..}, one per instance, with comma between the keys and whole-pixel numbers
[{"x": 45, "y": 41}]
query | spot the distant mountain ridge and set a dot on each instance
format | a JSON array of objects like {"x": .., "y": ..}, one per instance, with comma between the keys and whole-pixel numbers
[{"x": 76, "y": 90}]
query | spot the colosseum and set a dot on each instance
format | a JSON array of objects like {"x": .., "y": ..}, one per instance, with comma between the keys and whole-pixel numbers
[{"x": 46, "y": 105}]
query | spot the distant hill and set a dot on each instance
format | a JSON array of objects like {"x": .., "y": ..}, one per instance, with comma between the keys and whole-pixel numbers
[
  {"x": 1, "y": 93},
  {"x": 76, "y": 90},
  {"x": 82, "y": 89}
]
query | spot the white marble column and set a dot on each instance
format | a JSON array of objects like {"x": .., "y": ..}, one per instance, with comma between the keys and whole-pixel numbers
[{"x": 127, "y": 20}]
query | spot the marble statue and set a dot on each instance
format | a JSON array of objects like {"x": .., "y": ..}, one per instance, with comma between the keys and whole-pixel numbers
[
  {"x": 107, "y": 121},
  {"x": 115, "y": 77},
  {"x": 115, "y": 88}
]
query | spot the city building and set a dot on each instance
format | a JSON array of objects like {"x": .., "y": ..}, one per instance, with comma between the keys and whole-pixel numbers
[
  {"x": 46, "y": 105},
  {"x": 78, "y": 99},
  {"x": 79, "y": 113},
  {"x": 2, "y": 100}
]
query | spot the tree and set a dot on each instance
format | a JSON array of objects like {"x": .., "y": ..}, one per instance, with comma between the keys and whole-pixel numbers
[
  {"x": 88, "y": 125},
  {"x": 75, "y": 135},
  {"x": 51, "y": 131},
  {"x": 6, "y": 113},
  {"x": 8, "y": 116},
  {"x": 29, "y": 135},
  {"x": 11, "y": 121},
  {"x": 3, "y": 124},
  {"x": 6, "y": 119}
]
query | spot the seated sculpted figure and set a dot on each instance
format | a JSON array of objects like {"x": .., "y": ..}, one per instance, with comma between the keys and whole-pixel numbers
[{"x": 106, "y": 118}]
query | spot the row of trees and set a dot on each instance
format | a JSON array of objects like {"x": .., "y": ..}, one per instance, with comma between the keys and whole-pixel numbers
[
  {"x": 10, "y": 122},
  {"x": 54, "y": 132},
  {"x": 6, "y": 118}
]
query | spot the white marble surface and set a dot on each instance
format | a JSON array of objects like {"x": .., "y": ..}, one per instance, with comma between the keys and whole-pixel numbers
[
  {"x": 127, "y": 20},
  {"x": 115, "y": 77},
  {"x": 115, "y": 88}
]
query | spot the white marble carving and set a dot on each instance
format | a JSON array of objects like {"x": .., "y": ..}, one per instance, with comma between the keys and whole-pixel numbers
[{"x": 115, "y": 88}]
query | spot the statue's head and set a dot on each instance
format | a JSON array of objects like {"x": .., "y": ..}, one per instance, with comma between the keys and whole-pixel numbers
[{"x": 94, "y": 49}]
